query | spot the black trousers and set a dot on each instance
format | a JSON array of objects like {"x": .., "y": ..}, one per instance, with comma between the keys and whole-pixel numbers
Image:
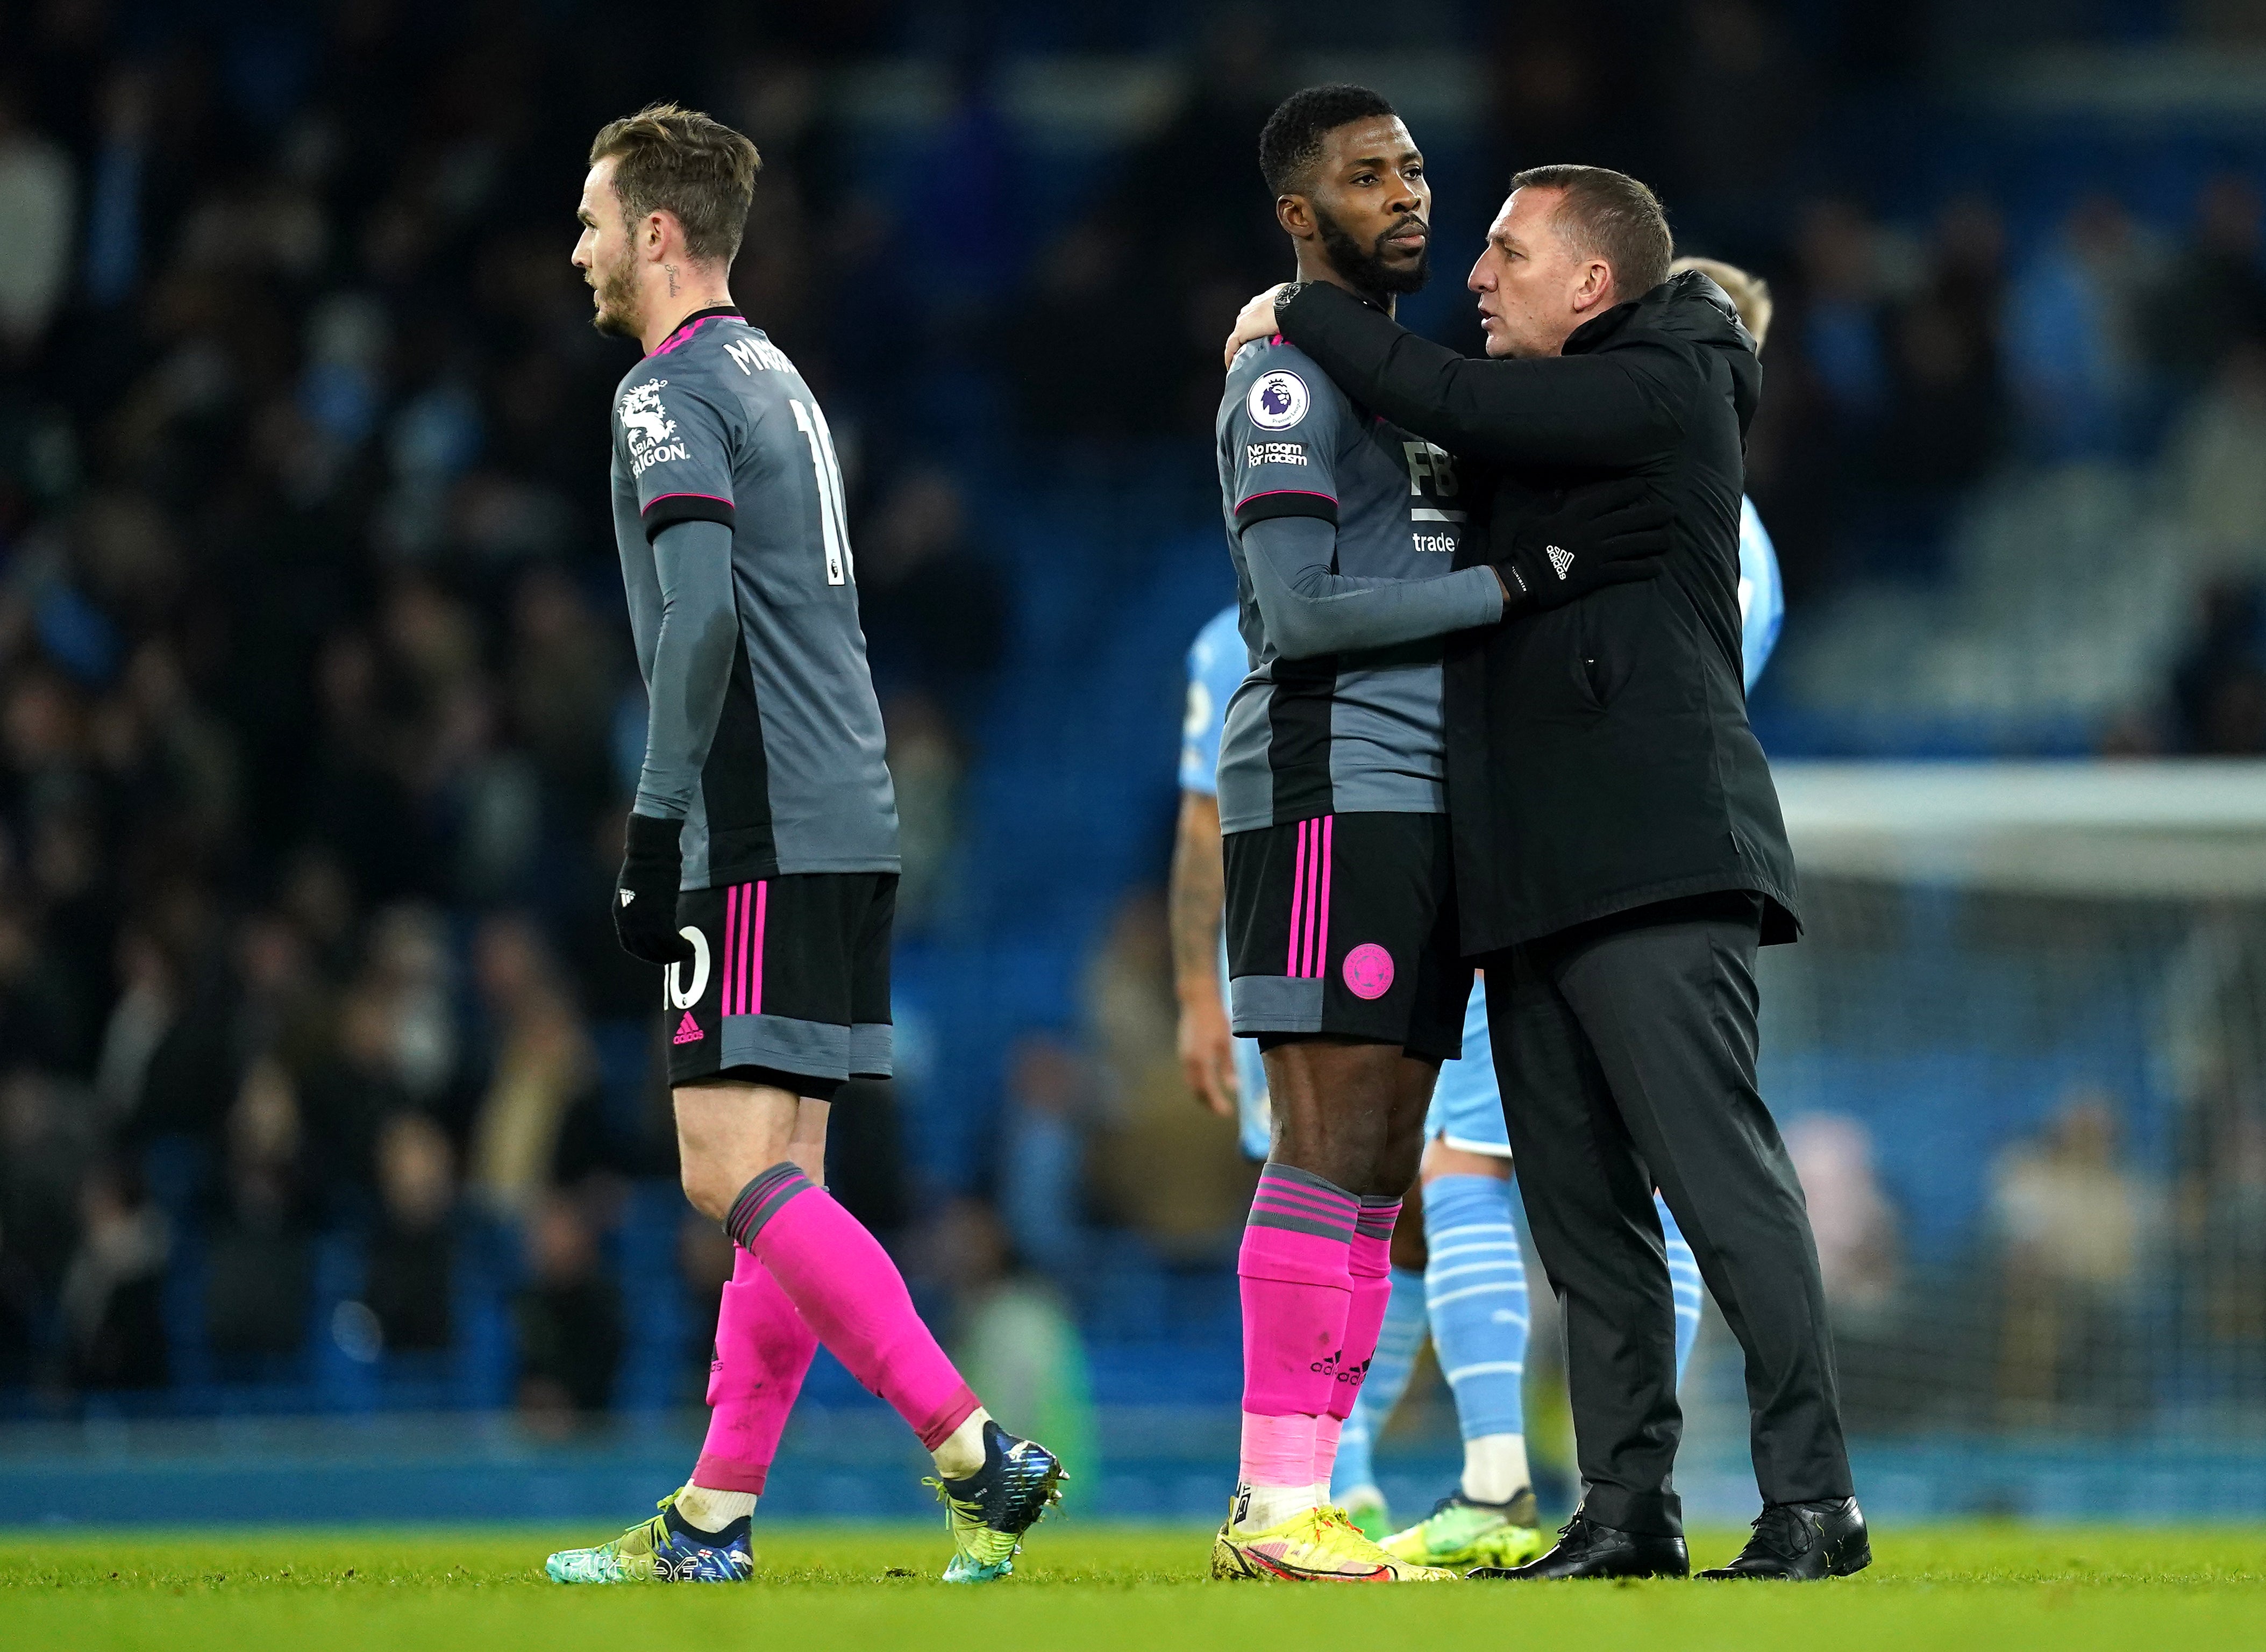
[{"x": 1626, "y": 1054}]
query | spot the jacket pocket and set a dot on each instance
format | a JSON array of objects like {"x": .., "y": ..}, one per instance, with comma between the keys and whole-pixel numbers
[{"x": 1601, "y": 650}]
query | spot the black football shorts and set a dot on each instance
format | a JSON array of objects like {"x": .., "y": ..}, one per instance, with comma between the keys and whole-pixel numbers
[
  {"x": 1346, "y": 925},
  {"x": 789, "y": 976}
]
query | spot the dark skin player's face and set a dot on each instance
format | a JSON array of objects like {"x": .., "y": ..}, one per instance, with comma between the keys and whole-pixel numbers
[{"x": 1370, "y": 183}]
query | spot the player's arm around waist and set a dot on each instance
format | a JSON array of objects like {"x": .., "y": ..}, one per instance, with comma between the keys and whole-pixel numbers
[{"x": 1311, "y": 609}]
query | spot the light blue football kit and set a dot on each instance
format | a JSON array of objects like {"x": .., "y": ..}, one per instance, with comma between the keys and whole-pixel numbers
[
  {"x": 1218, "y": 664},
  {"x": 1762, "y": 598}
]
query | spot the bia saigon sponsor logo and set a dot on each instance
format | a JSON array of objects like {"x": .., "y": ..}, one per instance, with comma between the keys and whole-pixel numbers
[{"x": 647, "y": 428}]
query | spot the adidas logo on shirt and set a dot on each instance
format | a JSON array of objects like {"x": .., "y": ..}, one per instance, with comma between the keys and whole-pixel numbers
[{"x": 1559, "y": 559}]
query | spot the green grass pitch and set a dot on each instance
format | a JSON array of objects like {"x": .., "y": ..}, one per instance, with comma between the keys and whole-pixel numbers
[{"x": 1096, "y": 1588}]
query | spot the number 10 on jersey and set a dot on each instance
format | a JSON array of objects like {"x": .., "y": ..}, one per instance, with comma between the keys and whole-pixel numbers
[{"x": 841, "y": 567}]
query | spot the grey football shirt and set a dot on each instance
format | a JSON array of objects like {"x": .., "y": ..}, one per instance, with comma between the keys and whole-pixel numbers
[
  {"x": 765, "y": 738},
  {"x": 1343, "y": 530}
]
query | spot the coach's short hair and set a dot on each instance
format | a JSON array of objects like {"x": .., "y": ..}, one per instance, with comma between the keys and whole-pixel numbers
[
  {"x": 1292, "y": 140},
  {"x": 679, "y": 161},
  {"x": 1750, "y": 294},
  {"x": 1610, "y": 215}
]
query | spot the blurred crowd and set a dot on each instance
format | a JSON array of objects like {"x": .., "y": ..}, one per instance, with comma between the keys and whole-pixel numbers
[{"x": 317, "y": 715}]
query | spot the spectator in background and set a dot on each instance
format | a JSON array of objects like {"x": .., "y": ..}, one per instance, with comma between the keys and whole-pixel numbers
[
  {"x": 538, "y": 1123},
  {"x": 2222, "y": 1227},
  {"x": 2213, "y": 294},
  {"x": 1168, "y": 1169},
  {"x": 570, "y": 1320},
  {"x": 2218, "y": 688},
  {"x": 413, "y": 1250},
  {"x": 259, "y": 1263},
  {"x": 2074, "y": 331},
  {"x": 935, "y": 612},
  {"x": 409, "y": 972},
  {"x": 565, "y": 670},
  {"x": 1856, "y": 1226},
  {"x": 111, "y": 1299},
  {"x": 1042, "y": 1156},
  {"x": 1946, "y": 421},
  {"x": 22, "y": 1311},
  {"x": 285, "y": 1005},
  {"x": 926, "y": 766},
  {"x": 2075, "y": 1227},
  {"x": 2218, "y": 485},
  {"x": 148, "y": 999},
  {"x": 114, "y": 194},
  {"x": 1843, "y": 308},
  {"x": 354, "y": 1087},
  {"x": 36, "y": 194},
  {"x": 46, "y": 1139}
]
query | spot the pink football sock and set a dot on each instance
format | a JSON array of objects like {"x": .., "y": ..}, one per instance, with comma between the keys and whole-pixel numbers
[
  {"x": 1296, "y": 1290},
  {"x": 1369, "y": 1260},
  {"x": 763, "y": 1349},
  {"x": 1369, "y": 1264},
  {"x": 848, "y": 1291}
]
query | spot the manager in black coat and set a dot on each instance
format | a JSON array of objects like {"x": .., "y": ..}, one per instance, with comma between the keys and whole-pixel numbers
[{"x": 1619, "y": 853}]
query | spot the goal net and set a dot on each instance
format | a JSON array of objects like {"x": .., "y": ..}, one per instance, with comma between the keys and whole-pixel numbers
[{"x": 2020, "y": 1058}]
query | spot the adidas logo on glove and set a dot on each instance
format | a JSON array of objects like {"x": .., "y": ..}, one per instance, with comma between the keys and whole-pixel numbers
[{"x": 1559, "y": 559}]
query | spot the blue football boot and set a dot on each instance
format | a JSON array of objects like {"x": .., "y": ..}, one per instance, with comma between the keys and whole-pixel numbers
[
  {"x": 665, "y": 1549},
  {"x": 987, "y": 1511}
]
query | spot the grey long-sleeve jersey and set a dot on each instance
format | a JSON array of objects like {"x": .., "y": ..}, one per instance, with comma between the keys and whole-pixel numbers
[
  {"x": 1343, "y": 530},
  {"x": 763, "y": 735}
]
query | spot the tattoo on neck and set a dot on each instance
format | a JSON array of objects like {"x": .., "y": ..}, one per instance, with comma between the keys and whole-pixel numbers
[{"x": 671, "y": 268}]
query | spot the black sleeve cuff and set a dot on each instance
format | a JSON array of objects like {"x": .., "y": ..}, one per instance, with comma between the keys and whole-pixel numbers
[
  {"x": 1262, "y": 507},
  {"x": 672, "y": 508}
]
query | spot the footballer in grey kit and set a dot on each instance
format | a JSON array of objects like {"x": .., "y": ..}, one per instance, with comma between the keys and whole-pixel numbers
[
  {"x": 1343, "y": 530},
  {"x": 763, "y": 856},
  {"x": 765, "y": 736},
  {"x": 760, "y": 861},
  {"x": 1360, "y": 551}
]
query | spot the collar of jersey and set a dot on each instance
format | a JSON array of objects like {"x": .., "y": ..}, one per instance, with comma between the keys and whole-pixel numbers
[{"x": 684, "y": 329}]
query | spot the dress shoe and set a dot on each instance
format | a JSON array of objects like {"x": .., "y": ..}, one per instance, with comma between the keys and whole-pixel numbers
[
  {"x": 1585, "y": 1549},
  {"x": 1799, "y": 1542}
]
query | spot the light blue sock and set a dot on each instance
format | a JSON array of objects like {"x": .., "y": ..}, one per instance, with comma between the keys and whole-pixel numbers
[
  {"x": 1396, "y": 1343},
  {"x": 1475, "y": 1289},
  {"x": 1684, "y": 1274}
]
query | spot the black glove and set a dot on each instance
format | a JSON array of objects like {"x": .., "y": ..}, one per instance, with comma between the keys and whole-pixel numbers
[
  {"x": 1605, "y": 533},
  {"x": 645, "y": 895}
]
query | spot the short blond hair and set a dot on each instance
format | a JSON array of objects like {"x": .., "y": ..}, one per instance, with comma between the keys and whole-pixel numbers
[{"x": 1751, "y": 294}]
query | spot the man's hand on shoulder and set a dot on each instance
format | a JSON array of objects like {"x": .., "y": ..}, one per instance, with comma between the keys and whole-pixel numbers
[
  {"x": 1605, "y": 533},
  {"x": 645, "y": 895},
  {"x": 1257, "y": 321}
]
